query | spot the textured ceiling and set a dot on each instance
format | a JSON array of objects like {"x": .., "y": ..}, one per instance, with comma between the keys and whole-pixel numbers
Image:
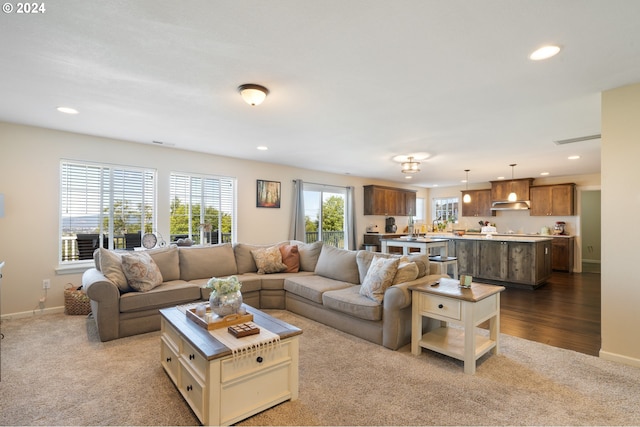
[{"x": 353, "y": 83}]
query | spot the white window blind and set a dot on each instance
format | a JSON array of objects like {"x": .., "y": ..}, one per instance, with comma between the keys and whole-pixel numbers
[
  {"x": 101, "y": 204},
  {"x": 202, "y": 208}
]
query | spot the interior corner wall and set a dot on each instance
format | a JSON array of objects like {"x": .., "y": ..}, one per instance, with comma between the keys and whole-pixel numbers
[
  {"x": 620, "y": 200},
  {"x": 29, "y": 180}
]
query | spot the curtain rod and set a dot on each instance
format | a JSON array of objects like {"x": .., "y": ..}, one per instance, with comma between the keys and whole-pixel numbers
[{"x": 322, "y": 185}]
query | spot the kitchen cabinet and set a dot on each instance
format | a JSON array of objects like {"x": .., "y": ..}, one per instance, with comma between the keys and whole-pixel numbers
[
  {"x": 389, "y": 201},
  {"x": 562, "y": 249},
  {"x": 500, "y": 189},
  {"x": 480, "y": 204},
  {"x": 553, "y": 200}
]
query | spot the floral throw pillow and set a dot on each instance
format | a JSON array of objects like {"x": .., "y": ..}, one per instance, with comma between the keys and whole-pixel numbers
[
  {"x": 268, "y": 260},
  {"x": 379, "y": 277},
  {"x": 141, "y": 271}
]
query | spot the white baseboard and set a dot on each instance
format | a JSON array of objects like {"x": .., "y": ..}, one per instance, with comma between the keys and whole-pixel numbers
[
  {"x": 36, "y": 312},
  {"x": 619, "y": 358}
]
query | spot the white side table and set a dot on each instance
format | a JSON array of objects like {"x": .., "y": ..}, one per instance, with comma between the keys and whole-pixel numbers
[{"x": 449, "y": 303}]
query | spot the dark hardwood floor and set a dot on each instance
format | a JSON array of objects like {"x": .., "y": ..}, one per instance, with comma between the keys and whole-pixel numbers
[{"x": 565, "y": 312}]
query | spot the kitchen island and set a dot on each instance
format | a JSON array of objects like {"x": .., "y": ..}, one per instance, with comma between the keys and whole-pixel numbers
[{"x": 522, "y": 261}]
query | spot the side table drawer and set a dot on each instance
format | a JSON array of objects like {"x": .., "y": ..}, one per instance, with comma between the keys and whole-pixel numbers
[{"x": 440, "y": 306}]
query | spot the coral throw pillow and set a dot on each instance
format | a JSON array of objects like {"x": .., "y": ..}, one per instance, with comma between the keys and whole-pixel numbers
[{"x": 290, "y": 258}]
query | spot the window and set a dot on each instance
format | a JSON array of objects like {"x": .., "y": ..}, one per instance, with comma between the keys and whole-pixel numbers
[
  {"x": 202, "y": 208},
  {"x": 324, "y": 209},
  {"x": 445, "y": 210},
  {"x": 100, "y": 205},
  {"x": 420, "y": 216}
]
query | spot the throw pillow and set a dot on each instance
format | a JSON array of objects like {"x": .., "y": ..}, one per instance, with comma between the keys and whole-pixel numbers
[
  {"x": 268, "y": 260},
  {"x": 141, "y": 271},
  {"x": 407, "y": 271},
  {"x": 111, "y": 267},
  {"x": 290, "y": 258},
  {"x": 309, "y": 253},
  {"x": 379, "y": 277}
]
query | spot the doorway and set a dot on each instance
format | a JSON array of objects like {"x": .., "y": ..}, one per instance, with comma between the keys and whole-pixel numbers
[{"x": 590, "y": 231}]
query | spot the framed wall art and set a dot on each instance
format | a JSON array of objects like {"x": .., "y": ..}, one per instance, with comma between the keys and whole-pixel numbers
[{"x": 268, "y": 194}]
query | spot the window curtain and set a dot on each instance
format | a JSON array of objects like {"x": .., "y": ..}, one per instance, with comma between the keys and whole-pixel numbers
[
  {"x": 297, "y": 231},
  {"x": 351, "y": 219}
]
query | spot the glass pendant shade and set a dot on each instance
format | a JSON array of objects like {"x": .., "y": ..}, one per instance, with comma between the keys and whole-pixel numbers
[{"x": 467, "y": 197}]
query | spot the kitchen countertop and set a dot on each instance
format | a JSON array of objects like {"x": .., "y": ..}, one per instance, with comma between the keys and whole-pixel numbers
[{"x": 496, "y": 236}]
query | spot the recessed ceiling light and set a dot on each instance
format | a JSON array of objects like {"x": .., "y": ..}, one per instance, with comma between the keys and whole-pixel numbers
[
  {"x": 408, "y": 177},
  {"x": 262, "y": 148},
  {"x": 501, "y": 177},
  {"x": 544, "y": 52},
  {"x": 67, "y": 110},
  {"x": 544, "y": 173},
  {"x": 573, "y": 157}
]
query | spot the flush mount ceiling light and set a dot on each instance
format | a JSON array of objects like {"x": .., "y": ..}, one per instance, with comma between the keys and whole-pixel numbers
[
  {"x": 467, "y": 196},
  {"x": 410, "y": 166},
  {"x": 544, "y": 52},
  {"x": 512, "y": 196},
  {"x": 253, "y": 94},
  {"x": 67, "y": 110}
]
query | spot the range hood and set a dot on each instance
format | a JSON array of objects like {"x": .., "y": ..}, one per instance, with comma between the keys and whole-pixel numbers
[{"x": 511, "y": 206}]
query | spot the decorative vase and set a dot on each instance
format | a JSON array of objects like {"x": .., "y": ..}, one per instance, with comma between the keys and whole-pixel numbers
[{"x": 225, "y": 304}]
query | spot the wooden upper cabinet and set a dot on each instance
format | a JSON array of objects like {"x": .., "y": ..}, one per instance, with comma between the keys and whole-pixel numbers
[
  {"x": 500, "y": 189},
  {"x": 480, "y": 204},
  {"x": 379, "y": 200},
  {"x": 553, "y": 200}
]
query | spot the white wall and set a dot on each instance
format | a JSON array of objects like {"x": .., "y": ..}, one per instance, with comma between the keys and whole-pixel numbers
[
  {"x": 29, "y": 171},
  {"x": 620, "y": 200}
]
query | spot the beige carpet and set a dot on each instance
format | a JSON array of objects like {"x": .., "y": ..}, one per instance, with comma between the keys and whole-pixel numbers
[{"x": 56, "y": 372}]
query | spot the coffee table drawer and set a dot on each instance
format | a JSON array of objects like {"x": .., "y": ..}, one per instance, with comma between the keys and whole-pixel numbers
[
  {"x": 195, "y": 360},
  {"x": 169, "y": 359},
  {"x": 243, "y": 366},
  {"x": 194, "y": 392},
  {"x": 439, "y": 306}
]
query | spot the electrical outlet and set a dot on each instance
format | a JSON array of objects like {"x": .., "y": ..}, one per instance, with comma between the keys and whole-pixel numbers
[{"x": 46, "y": 284}]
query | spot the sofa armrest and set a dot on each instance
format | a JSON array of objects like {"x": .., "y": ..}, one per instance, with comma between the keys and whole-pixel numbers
[
  {"x": 105, "y": 303},
  {"x": 399, "y": 296}
]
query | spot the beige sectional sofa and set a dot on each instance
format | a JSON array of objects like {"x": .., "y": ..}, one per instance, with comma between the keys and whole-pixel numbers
[{"x": 328, "y": 287}]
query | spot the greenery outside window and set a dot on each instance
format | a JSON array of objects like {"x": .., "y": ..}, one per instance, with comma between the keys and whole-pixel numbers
[
  {"x": 324, "y": 207},
  {"x": 202, "y": 208},
  {"x": 100, "y": 205}
]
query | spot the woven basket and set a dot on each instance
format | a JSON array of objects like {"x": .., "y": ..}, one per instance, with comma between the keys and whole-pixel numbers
[{"x": 76, "y": 301}]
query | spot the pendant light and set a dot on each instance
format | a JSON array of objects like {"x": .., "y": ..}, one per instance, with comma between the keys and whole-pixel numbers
[
  {"x": 410, "y": 166},
  {"x": 467, "y": 196},
  {"x": 512, "y": 196}
]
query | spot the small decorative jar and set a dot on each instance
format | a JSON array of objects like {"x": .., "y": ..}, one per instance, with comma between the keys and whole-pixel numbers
[{"x": 225, "y": 297}]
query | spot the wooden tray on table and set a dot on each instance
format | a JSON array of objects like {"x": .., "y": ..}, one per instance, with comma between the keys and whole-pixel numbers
[{"x": 217, "y": 322}]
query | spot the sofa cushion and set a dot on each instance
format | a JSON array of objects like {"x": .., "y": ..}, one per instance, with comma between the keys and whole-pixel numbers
[
  {"x": 407, "y": 272},
  {"x": 166, "y": 295},
  {"x": 422, "y": 261},
  {"x": 309, "y": 253},
  {"x": 111, "y": 266},
  {"x": 244, "y": 259},
  {"x": 379, "y": 277},
  {"x": 364, "y": 259},
  {"x": 168, "y": 261},
  {"x": 268, "y": 260},
  {"x": 141, "y": 271},
  {"x": 290, "y": 258},
  {"x": 338, "y": 264},
  {"x": 312, "y": 287},
  {"x": 350, "y": 301},
  {"x": 206, "y": 262}
]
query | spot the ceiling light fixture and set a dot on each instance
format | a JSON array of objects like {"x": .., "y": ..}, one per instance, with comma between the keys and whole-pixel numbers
[
  {"x": 512, "y": 196},
  {"x": 467, "y": 196},
  {"x": 544, "y": 52},
  {"x": 410, "y": 166},
  {"x": 253, "y": 94},
  {"x": 67, "y": 110}
]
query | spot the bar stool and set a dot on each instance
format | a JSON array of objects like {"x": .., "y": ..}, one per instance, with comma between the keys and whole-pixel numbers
[{"x": 445, "y": 261}]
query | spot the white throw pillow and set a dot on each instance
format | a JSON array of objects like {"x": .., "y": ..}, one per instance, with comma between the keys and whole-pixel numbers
[
  {"x": 141, "y": 271},
  {"x": 111, "y": 267},
  {"x": 379, "y": 277},
  {"x": 268, "y": 260}
]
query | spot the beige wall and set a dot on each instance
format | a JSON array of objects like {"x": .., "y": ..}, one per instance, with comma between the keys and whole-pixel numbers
[
  {"x": 620, "y": 203},
  {"x": 29, "y": 170}
]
